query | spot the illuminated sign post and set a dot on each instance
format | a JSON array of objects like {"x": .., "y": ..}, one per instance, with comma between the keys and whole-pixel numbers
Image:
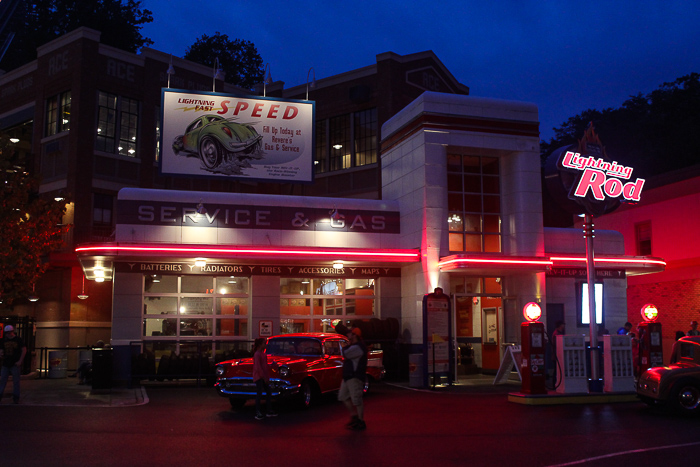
[{"x": 584, "y": 181}]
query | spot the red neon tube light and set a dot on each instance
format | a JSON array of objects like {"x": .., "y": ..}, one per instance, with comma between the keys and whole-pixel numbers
[
  {"x": 408, "y": 255},
  {"x": 610, "y": 260},
  {"x": 529, "y": 262}
]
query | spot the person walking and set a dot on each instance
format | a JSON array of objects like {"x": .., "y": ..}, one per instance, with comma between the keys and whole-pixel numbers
[
  {"x": 13, "y": 353},
  {"x": 261, "y": 378},
  {"x": 354, "y": 374}
]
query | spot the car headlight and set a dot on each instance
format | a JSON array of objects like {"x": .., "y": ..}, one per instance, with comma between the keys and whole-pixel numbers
[
  {"x": 219, "y": 370},
  {"x": 284, "y": 371}
]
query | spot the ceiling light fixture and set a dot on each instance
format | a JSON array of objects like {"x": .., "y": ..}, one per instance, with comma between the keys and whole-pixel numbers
[
  {"x": 337, "y": 265},
  {"x": 82, "y": 295},
  {"x": 200, "y": 262}
]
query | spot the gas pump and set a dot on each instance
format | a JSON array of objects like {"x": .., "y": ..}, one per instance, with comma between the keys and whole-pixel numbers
[
  {"x": 650, "y": 350},
  {"x": 533, "y": 343}
]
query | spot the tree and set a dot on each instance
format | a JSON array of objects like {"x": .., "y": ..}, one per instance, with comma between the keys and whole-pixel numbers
[
  {"x": 653, "y": 133},
  {"x": 37, "y": 22},
  {"x": 29, "y": 227},
  {"x": 239, "y": 59}
]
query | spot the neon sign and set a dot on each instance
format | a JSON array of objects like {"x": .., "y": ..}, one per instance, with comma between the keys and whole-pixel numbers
[{"x": 601, "y": 177}]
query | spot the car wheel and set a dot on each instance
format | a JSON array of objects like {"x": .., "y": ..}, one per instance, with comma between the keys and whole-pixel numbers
[
  {"x": 210, "y": 152},
  {"x": 236, "y": 403},
  {"x": 685, "y": 397},
  {"x": 177, "y": 145},
  {"x": 308, "y": 394}
]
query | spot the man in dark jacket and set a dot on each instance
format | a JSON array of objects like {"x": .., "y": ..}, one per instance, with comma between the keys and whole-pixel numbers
[
  {"x": 13, "y": 353},
  {"x": 354, "y": 374}
]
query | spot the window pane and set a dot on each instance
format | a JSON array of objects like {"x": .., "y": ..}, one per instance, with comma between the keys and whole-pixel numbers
[
  {"x": 472, "y": 184},
  {"x": 359, "y": 307},
  {"x": 330, "y": 287},
  {"x": 156, "y": 283},
  {"x": 492, "y": 224},
  {"x": 339, "y": 129},
  {"x": 232, "y": 285},
  {"x": 490, "y": 165},
  {"x": 159, "y": 305},
  {"x": 470, "y": 164},
  {"x": 64, "y": 119},
  {"x": 493, "y": 285},
  {"x": 455, "y": 223},
  {"x": 321, "y": 156},
  {"x": 472, "y": 223},
  {"x": 196, "y": 305},
  {"x": 456, "y": 242},
  {"x": 295, "y": 286},
  {"x": 492, "y": 204},
  {"x": 454, "y": 182},
  {"x": 472, "y": 203},
  {"x": 454, "y": 202},
  {"x": 232, "y": 306},
  {"x": 232, "y": 327},
  {"x": 295, "y": 306},
  {"x": 197, "y": 284},
  {"x": 492, "y": 243},
  {"x": 365, "y": 129},
  {"x": 195, "y": 327},
  {"x": 160, "y": 327},
  {"x": 491, "y": 185},
  {"x": 454, "y": 163},
  {"x": 473, "y": 243}
]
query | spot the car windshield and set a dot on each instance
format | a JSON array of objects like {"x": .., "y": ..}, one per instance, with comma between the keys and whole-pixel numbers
[{"x": 293, "y": 346}]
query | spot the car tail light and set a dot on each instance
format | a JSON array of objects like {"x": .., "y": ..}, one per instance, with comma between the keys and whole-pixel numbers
[{"x": 227, "y": 130}]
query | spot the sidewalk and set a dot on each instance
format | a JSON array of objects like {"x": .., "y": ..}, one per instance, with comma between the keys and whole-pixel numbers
[{"x": 66, "y": 392}]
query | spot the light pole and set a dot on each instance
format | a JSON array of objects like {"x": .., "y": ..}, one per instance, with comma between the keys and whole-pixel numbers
[
  {"x": 171, "y": 70},
  {"x": 588, "y": 234},
  {"x": 313, "y": 82},
  {"x": 267, "y": 79},
  {"x": 218, "y": 74}
]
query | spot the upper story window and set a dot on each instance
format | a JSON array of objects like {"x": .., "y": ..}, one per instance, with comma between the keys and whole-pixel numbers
[
  {"x": 642, "y": 233},
  {"x": 346, "y": 141},
  {"x": 474, "y": 203},
  {"x": 117, "y": 124},
  {"x": 58, "y": 113}
]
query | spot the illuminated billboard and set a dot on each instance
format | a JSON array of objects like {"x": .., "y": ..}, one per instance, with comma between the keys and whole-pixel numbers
[{"x": 237, "y": 137}]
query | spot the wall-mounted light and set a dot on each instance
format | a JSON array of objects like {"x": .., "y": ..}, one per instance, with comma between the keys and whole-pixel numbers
[
  {"x": 33, "y": 297},
  {"x": 337, "y": 265},
  {"x": 82, "y": 295},
  {"x": 16, "y": 140},
  {"x": 305, "y": 281},
  {"x": 200, "y": 262}
]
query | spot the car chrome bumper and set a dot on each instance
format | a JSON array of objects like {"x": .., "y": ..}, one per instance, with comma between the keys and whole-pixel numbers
[{"x": 245, "y": 387}]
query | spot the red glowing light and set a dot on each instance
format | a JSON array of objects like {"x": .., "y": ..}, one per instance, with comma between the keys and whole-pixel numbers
[
  {"x": 650, "y": 313},
  {"x": 532, "y": 311},
  {"x": 380, "y": 254},
  {"x": 543, "y": 262},
  {"x": 610, "y": 260}
]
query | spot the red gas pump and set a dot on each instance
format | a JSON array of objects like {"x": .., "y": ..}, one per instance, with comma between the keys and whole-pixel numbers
[
  {"x": 533, "y": 342},
  {"x": 650, "y": 350}
]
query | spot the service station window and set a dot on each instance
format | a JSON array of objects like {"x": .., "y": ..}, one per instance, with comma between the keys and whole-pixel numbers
[
  {"x": 310, "y": 305},
  {"x": 194, "y": 307}
]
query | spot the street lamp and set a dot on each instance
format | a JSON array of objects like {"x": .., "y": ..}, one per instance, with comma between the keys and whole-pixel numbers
[
  {"x": 218, "y": 74},
  {"x": 313, "y": 82},
  {"x": 268, "y": 78},
  {"x": 171, "y": 70}
]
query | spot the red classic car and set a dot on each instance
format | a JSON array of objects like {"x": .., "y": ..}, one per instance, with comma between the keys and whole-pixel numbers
[{"x": 308, "y": 365}]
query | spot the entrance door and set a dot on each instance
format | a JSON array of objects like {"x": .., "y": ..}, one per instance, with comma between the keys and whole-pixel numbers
[{"x": 492, "y": 311}]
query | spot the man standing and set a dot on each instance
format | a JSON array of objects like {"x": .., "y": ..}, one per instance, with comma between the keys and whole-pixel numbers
[
  {"x": 693, "y": 329},
  {"x": 354, "y": 374},
  {"x": 14, "y": 351}
]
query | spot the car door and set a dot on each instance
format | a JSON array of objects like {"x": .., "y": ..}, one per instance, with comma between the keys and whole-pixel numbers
[{"x": 333, "y": 363}]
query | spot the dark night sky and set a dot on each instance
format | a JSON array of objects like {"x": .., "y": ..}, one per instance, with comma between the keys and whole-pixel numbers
[{"x": 564, "y": 56}]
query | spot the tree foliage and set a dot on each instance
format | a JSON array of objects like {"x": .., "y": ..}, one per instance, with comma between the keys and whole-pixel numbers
[
  {"x": 653, "y": 133},
  {"x": 29, "y": 227},
  {"x": 37, "y": 22},
  {"x": 239, "y": 59}
]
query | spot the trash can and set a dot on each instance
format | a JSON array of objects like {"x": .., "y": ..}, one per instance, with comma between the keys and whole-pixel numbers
[
  {"x": 58, "y": 364},
  {"x": 101, "y": 368},
  {"x": 415, "y": 370}
]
